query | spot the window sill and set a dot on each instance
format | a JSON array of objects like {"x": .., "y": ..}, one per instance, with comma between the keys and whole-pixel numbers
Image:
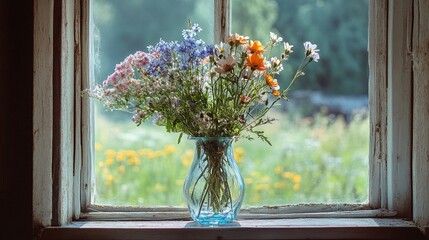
[{"x": 298, "y": 228}]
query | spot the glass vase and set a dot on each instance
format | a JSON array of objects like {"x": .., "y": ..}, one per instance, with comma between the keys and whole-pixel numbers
[{"x": 214, "y": 187}]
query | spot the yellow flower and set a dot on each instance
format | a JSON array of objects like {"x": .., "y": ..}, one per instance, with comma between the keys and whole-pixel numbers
[
  {"x": 256, "y": 47},
  {"x": 297, "y": 179},
  {"x": 150, "y": 154},
  {"x": 133, "y": 161},
  {"x": 169, "y": 149},
  {"x": 279, "y": 185},
  {"x": 261, "y": 186},
  {"x": 288, "y": 175},
  {"x": 108, "y": 180},
  {"x": 105, "y": 171},
  {"x": 98, "y": 147},
  {"x": 121, "y": 168},
  {"x": 256, "y": 62},
  {"x": 109, "y": 161},
  {"x": 255, "y": 174},
  {"x": 187, "y": 158},
  {"x": 100, "y": 164},
  {"x": 160, "y": 187},
  {"x": 238, "y": 155},
  {"x": 122, "y": 155},
  {"x": 248, "y": 180},
  {"x": 295, "y": 187},
  {"x": 110, "y": 153},
  {"x": 278, "y": 170},
  {"x": 186, "y": 162}
]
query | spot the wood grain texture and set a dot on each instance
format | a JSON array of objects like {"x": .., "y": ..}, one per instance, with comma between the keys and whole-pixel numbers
[
  {"x": 42, "y": 112},
  {"x": 399, "y": 109},
  {"x": 377, "y": 102},
  {"x": 421, "y": 113},
  {"x": 244, "y": 229}
]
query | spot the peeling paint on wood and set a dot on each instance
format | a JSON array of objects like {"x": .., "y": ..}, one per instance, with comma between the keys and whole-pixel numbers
[
  {"x": 377, "y": 102},
  {"x": 42, "y": 113},
  {"x": 421, "y": 113}
]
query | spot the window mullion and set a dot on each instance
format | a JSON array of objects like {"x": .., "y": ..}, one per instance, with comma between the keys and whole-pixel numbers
[{"x": 222, "y": 20}]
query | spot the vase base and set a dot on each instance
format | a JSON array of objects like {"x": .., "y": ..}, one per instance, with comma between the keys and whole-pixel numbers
[{"x": 215, "y": 219}]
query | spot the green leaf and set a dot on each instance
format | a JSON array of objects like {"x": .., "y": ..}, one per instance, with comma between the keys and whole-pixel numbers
[{"x": 180, "y": 138}]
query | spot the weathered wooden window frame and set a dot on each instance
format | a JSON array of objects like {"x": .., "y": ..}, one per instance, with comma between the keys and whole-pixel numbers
[
  {"x": 377, "y": 194},
  {"x": 62, "y": 177}
]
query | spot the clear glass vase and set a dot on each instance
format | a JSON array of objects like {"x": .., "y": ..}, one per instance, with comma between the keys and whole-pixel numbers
[{"x": 214, "y": 187}]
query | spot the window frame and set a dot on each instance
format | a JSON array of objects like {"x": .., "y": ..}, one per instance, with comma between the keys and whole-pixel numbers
[
  {"x": 222, "y": 18},
  {"x": 62, "y": 183}
]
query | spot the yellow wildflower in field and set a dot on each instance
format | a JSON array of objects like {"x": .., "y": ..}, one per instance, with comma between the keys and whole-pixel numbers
[
  {"x": 288, "y": 175},
  {"x": 248, "y": 180},
  {"x": 105, "y": 171},
  {"x": 187, "y": 157},
  {"x": 122, "y": 155},
  {"x": 150, "y": 154},
  {"x": 279, "y": 185},
  {"x": 110, "y": 153},
  {"x": 133, "y": 161},
  {"x": 101, "y": 164},
  {"x": 278, "y": 170},
  {"x": 297, "y": 178},
  {"x": 261, "y": 186},
  {"x": 143, "y": 152},
  {"x": 255, "y": 174},
  {"x": 98, "y": 147},
  {"x": 109, "y": 161},
  {"x": 295, "y": 187},
  {"x": 109, "y": 180},
  {"x": 121, "y": 168},
  {"x": 160, "y": 187},
  {"x": 169, "y": 149},
  {"x": 238, "y": 154}
]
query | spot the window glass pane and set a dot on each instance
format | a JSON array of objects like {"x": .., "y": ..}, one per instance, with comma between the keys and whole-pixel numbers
[
  {"x": 321, "y": 141},
  {"x": 139, "y": 165}
]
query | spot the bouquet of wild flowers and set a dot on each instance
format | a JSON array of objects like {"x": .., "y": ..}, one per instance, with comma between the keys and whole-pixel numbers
[{"x": 199, "y": 89}]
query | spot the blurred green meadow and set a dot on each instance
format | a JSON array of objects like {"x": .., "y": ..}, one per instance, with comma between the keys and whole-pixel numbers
[{"x": 318, "y": 159}]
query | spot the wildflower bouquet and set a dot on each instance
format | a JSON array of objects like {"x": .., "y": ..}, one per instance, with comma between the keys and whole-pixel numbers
[
  {"x": 209, "y": 91},
  {"x": 199, "y": 89}
]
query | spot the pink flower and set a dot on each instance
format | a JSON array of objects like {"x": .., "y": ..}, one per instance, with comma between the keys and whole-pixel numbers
[{"x": 140, "y": 59}]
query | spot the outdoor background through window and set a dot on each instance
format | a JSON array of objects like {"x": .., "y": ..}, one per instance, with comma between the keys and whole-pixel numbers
[{"x": 320, "y": 143}]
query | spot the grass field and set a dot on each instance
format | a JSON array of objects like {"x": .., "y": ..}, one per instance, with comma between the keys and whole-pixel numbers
[{"x": 321, "y": 159}]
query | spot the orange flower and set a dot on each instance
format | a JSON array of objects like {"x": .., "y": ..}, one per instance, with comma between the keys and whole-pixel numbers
[
  {"x": 256, "y": 47},
  {"x": 256, "y": 62},
  {"x": 271, "y": 82},
  {"x": 276, "y": 93},
  {"x": 237, "y": 39}
]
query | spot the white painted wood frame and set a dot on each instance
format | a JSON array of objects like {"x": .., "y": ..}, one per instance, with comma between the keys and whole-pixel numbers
[
  {"x": 399, "y": 108},
  {"x": 377, "y": 54}
]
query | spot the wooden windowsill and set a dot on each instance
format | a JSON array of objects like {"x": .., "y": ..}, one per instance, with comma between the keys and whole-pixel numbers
[{"x": 298, "y": 228}]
